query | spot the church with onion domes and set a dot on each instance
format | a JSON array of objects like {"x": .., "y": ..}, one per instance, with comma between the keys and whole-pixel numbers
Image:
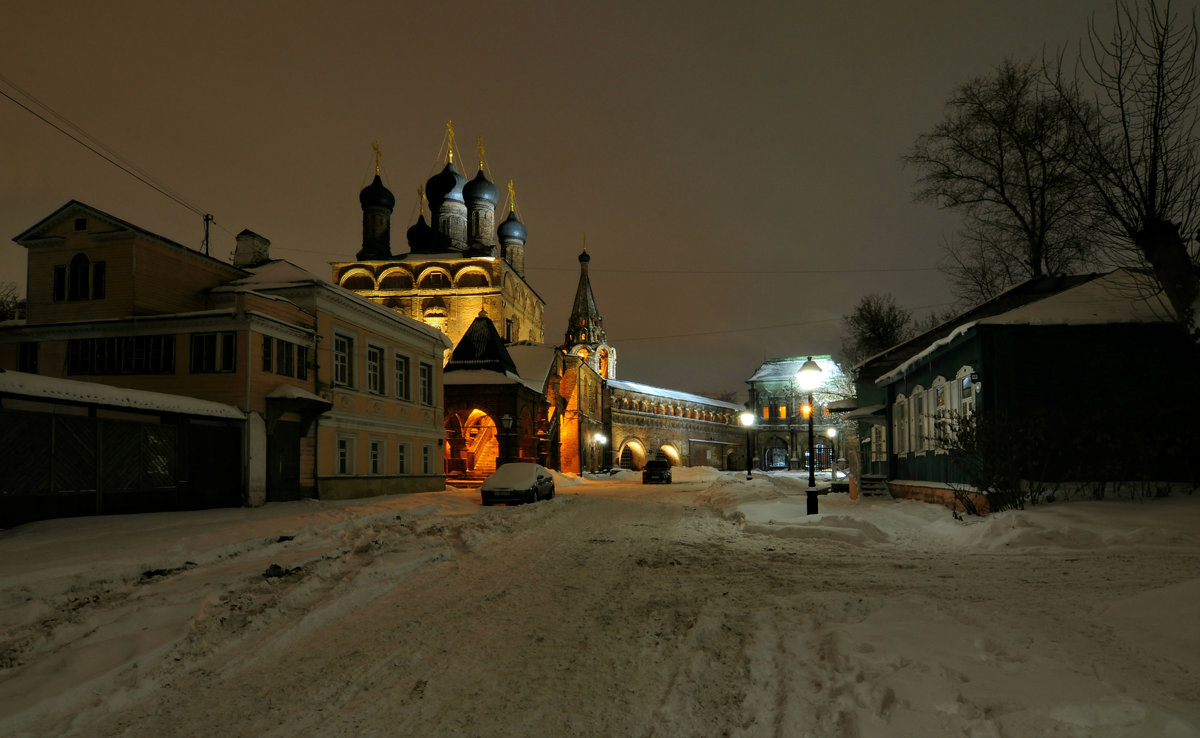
[
  {"x": 509, "y": 395},
  {"x": 457, "y": 263}
]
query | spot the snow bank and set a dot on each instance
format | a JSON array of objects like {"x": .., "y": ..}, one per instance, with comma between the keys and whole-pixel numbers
[{"x": 725, "y": 605}]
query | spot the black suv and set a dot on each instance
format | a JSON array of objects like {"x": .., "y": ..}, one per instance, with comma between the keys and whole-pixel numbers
[{"x": 656, "y": 471}]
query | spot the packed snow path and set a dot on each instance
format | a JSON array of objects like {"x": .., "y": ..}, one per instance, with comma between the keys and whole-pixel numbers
[{"x": 706, "y": 608}]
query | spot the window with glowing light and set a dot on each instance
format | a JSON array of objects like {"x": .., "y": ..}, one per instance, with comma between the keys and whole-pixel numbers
[{"x": 968, "y": 390}]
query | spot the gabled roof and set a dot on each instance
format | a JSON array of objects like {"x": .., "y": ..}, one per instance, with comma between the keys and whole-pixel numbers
[
  {"x": 535, "y": 362},
  {"x": 871, "y": 369},
  {"x": 1120, "y": 296},
  {"x": 481, "y": 348},
  {"x": 74, "y": 208}
]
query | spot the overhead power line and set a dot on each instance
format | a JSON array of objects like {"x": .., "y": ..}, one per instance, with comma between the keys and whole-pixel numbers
[
  {"x": 656, "y": 273},
  {"x": 754, "y": 328},
  {"x": 97, "y": 147}
]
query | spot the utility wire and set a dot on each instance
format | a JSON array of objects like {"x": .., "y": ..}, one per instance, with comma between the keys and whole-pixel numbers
[
  {"x": 97, "y": 147},
  {"x": 652, "y": 272},
  {"x": 721, "y": 272},
  {"x": 747, "y": 330}
]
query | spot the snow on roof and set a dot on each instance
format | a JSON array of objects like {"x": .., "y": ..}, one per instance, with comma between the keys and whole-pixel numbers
[
  {"x": 480, "y": 376},
  {"x": 1121, "y": 296},
  {"x": 91, "y": 393},
  {"x": 646, "y": 389},
  {"x": 784, "y": 370},
  {"x": 274, "y": 274},
  {"x": 534, "y": 362},
  {"x": 292, "y": 392}
]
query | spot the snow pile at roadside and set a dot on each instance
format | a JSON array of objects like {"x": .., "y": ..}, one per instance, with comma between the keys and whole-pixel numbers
[
  {"x": 1074, "y": 525},
  {"x": 875, "y": 617}
]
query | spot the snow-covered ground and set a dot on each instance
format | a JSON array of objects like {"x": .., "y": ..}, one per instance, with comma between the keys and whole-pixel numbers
[{"x": 713, "y": 606}]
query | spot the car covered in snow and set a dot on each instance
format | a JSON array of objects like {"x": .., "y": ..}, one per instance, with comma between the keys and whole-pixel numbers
[
  {"x": 516, "y": 483},
  {"x": 656, "y": 471}
]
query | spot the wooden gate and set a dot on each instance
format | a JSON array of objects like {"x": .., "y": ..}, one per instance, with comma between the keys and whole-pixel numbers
[{"x": 59, "y": 465}]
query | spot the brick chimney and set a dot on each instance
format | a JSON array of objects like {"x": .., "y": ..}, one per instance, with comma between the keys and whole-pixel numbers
[{"x": 252, "y": 249}]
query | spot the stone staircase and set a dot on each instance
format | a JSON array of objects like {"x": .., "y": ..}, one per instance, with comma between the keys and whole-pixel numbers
[{"x": 873, "y": 484}]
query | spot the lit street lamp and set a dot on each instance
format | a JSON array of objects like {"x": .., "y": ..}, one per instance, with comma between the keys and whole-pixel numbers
[
  {"x": 600, "y": 440},
  {"x": 809, "y": 378},
  {"x": 747, "y": 419}
]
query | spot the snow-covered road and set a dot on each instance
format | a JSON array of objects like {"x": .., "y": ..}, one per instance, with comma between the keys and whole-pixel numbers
[{"x": 711, "y": 607}]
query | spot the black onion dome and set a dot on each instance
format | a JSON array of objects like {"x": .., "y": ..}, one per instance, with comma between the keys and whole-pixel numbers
[
  {"x": 376, "y": 195},
  {"x": 445, "y": 185},
  {"x": 481, "y": 189},
  {"x": 512, "y": 229},
  {"x": 584, "y": 257},
  {"x": 420, "y": 235}
]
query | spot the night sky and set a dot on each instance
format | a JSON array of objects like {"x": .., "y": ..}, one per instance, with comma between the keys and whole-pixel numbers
[{"x": 735, "y": 166}]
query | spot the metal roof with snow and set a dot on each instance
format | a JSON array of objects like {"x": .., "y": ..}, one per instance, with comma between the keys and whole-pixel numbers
[{"x": 53, "y": 389}]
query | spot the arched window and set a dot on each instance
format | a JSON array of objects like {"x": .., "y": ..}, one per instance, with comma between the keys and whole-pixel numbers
[
  {"x": 472, "y": 278},
  {"x": 359, "y": 282},
  {"x": 395, "y": 280},
  {"x": 435, "y": 281}
]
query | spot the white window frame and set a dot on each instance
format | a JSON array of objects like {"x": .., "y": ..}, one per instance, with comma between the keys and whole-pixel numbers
[
  {"x": 403, "y": 454},
  {"x": 343, "y": 360},
  {"x": 376, "y": 456},
  {"x": 402, "y": 376},
  {"x": 967, "y": 402},
  {"x": 940, "y": 414},
  {"x": 344, "y": 454},
  {"x": 919, "y": 418},
  {"x": 427, "y": 459},
  {"x": 900, "y": 425},
  {"x": 375, "y": 358},
  {"x": 426, "y": 381},
  {"x": 878, "y": 443}
]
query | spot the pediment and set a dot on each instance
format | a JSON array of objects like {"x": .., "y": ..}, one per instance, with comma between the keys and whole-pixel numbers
[{"x": 52, "y": 229}]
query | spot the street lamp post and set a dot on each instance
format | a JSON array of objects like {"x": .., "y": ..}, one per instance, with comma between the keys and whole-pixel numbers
[
  {"x": 832, "y": 433},
  {"x": 600, "y": 440},
  {"x": 809, "y": 378},
  {"x": 506, "y": 420},
  {"x": 747, "y": 419}
]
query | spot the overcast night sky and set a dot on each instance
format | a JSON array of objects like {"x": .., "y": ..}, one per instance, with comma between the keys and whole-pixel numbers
[{"x": 735, "y": 166}]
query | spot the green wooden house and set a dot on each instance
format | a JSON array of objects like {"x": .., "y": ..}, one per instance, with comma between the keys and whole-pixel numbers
[{"x": 1088, "y": 372}]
